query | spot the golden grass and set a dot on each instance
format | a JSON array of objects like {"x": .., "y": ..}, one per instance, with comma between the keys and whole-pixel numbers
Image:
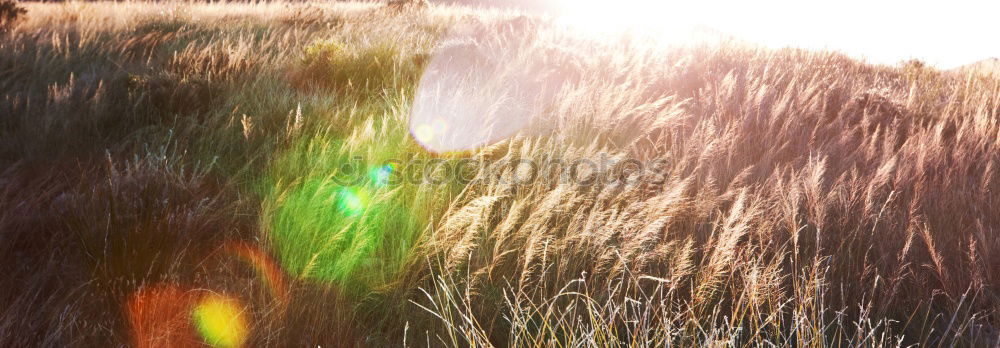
[{"x": 798, "y": 198}]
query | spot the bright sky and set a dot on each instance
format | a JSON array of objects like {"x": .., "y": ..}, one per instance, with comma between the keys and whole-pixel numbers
[{"x": 946, "y": 34}]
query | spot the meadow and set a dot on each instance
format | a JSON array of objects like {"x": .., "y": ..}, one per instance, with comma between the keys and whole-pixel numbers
[{"x": 231, "y": 174}]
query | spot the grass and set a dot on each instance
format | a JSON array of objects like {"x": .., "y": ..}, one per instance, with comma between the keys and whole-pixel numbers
[{"x": 254, "y": 156}]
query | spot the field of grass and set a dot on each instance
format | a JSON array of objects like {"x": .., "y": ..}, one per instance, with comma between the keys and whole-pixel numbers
[{"x": 246, "y": 175}]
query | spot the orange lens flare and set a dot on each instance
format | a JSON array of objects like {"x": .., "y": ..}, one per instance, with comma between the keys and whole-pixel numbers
[
  {"x": 170, "y": 316},
  {"x": 174, "y": 316},
  {"x": 161, "y": 317},
  {"x": 265, "y": 267}
]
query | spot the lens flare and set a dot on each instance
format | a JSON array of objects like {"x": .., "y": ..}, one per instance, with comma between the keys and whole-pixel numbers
[
  {"x": 220, "y": 321},
  {"x": 424, "y": 134},
  {"x": 267, "y": 270},
  {"x": 381, "y": 176},
  {"x": 354, "y": 234},
  {"x": 352, "y": 201},
  {"x": 480, "y": 87}
]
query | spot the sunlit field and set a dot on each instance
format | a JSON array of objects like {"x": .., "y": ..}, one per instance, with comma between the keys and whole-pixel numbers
[{"x": 370, "y": 175}]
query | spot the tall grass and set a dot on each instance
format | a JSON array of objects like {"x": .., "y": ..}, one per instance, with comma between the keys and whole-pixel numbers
[{"x": 790, "y": 198}]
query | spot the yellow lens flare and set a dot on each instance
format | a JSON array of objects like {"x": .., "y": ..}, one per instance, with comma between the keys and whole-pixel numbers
[
  {"x": 424, "y": 134},
  {"x": 431, "y": 133},
  {"x": 352, "y": 201},
  {"x": 220, "y": 320}
]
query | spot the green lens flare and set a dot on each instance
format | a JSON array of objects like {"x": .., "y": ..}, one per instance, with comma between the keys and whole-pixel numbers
[
  {"x": 336, "y": 210},
  {"x": 380, "y": 176},
  {"x": 352, "y": 228},
  {"x": 220, "y": 321},
  {"x": 352, "y": 201},
  {"x": 321, "y": 232}
]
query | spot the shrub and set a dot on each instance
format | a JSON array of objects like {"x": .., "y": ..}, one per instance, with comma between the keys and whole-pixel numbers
[{"x": 10, "y": 14}]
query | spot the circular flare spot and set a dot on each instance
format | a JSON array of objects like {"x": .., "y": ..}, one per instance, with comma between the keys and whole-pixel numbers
[
  {"x": 220, "y": 321},
  {"x": 483, "y": 85},
  {"x": 351, "y": 202},
  {"x": 381, "y": 176},
  {"x": 424, "y": 134}
]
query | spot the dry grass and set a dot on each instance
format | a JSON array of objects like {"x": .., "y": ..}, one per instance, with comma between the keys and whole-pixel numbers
[{"x": 799, "y": 198}]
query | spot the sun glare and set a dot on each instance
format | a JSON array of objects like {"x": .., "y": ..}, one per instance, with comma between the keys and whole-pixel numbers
[
  {"x": 885, "y": 32},
  {"x": 599, "y": 17}
]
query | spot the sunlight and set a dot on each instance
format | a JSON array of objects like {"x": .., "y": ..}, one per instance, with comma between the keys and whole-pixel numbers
[
  {"x": 597, "y": 17},
  {"x": 884, "y": 32}
]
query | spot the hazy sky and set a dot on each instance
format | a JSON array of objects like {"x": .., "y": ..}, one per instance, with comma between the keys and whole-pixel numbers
[{"x": 943, "y": 33}]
